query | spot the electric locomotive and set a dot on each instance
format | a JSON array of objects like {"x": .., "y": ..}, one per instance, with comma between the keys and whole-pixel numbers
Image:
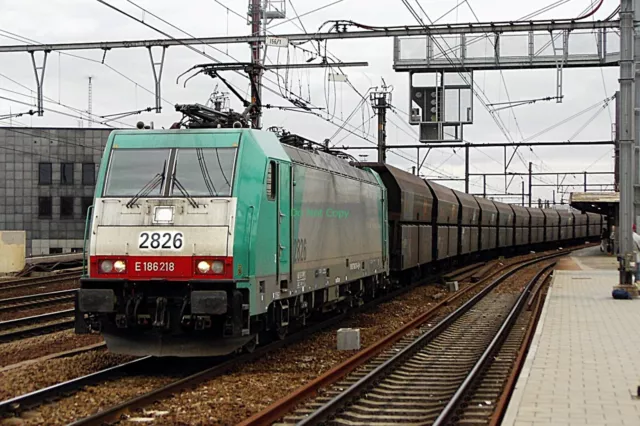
[{"x": 203, "y": 239}]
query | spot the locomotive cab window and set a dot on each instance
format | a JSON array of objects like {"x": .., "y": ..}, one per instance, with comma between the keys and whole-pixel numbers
[
  {"x": 272, "y": 180},
  {"x": 131, "y": 170},
  {"x": 203, "y": 172},
  {"x": 173, "y": 172}
]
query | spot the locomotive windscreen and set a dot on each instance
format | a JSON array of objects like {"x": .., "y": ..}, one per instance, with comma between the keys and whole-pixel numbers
[
  {"x": 131, "y": 169},
  {"x": 205, "y": 171},
  {"x": 198, "y": 172}
]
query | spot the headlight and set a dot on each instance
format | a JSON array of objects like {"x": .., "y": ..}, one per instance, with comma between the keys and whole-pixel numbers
[
  {"x": 217, "y": 266},
  {"x": 204, "y": 267},
  {"x": 119, "y": 265},
  {"x": 163, "y": 214},
  {"x": 106, "y": 266}
]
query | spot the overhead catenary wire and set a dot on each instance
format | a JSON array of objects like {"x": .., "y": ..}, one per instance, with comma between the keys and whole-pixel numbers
[
  {"x": 327, "y": 55},
  {"x": 27, "y": 40},
  {"x": 479, "y": 91},
  {"x": 209, "y": 57},
  {"x": 78, "y": 117},
  {"x": 585, "y": 14},
  {"x": 330, "y": 56},
  {"x": 94, "y": 118}
]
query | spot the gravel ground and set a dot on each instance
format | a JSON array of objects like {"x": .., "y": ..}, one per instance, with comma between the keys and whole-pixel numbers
[
  {"x": 273, "y": 375},
  {"x": 223, "y": 401},
  {"x": 36, "y": 325},
  {"x": 43, "y": 374},
  {"x": 35, "y": 347},
  {"x": 253, "y": 386},
  {"x": 97, "y": 398},
  {"x": 35, "y": 311},
  {"x": 45, "y": 288},
  {"x": 517, "y": 282}
]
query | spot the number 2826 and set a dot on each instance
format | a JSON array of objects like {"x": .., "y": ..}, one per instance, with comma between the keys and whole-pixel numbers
[{"x": 169, "y": 240}]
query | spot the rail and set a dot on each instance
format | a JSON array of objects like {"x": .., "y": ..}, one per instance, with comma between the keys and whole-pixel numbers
[
  {"x": 503, "y": 400},
  {"x": 326, "y": 411},
  {"x": 38, "y": 397},
  {"x": 34, "y": 281},
  {"x": 485, "y": 358},
  {"x": 35, "y": 300},
  {"x": 21, "y": 332},
  {"x": 114, "y": 413}
]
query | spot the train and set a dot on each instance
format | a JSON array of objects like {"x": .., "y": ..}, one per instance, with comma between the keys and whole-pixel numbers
[{"x": 211, "y": 241}]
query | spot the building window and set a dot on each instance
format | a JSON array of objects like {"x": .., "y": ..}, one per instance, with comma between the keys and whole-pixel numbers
[
  {"x": 44, "y": 207},
  {"x": 88, "y": 174},
  {"x": 55, "y": 250},
  {"x": 66, "y": 207},
  {"x": 44, "y": 174},
  {"x": 86, "y": 203},
  {"x": 66, "y": 173},
  {"x": 77, "y": 250}
]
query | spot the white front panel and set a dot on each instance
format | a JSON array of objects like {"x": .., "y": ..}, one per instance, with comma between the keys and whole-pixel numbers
[
  {"x": 196, "y": 240},
  {"x": 206, "y": 230}
]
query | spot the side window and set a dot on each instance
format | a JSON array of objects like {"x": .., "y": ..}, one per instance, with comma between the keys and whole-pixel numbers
[
  {"x": 44, "y": 173},
  {"x": 272, "y": 180},
  {"x": 88, "y": 174}
]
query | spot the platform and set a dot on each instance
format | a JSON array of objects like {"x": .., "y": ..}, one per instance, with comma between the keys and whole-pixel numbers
[{"x": 582, "y": 367}]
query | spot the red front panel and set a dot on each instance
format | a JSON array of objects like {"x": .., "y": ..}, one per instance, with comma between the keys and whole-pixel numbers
[{"x": 163, "y": 267}]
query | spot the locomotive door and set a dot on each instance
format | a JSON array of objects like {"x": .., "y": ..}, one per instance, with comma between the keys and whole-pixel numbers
[{"x": 283, "y": 248}]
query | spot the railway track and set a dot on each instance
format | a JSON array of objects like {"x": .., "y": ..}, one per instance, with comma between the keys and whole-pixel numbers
[
  {"x": 466, "y": 272},
  {"x": 413, "y": 380},
  {"x": 28, "y": 326},
  {"x": 13, "y": 304},
  {"x": 152, "y": 366},
  {"x": 39, "y": 281},
  {"x": 56, "y": 355},
  {"x": 114, "y": 413},
  {"x": 486, "y": 402},
  {"x": 478, "y": 396},
  {"x": 35, "y": 398},
  {"x": 21, "y": 403}
]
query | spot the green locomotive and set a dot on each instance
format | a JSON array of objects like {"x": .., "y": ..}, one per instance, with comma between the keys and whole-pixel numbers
[{"x": 203, "y": 240}]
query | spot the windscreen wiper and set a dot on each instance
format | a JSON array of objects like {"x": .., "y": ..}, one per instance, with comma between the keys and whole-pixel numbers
[
  {"x": 205, "y": 172},
  {"x": 150, "y": 186},
  {"x": 184, "y": 192}
]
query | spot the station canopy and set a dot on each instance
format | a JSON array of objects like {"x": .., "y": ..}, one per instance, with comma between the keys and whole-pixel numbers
[{"x": 594, "y": 202}]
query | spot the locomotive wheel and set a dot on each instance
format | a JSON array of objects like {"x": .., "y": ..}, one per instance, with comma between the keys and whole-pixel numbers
[
  {"x": 250, "y": 346},
  {"x": 281, "y": 332}
]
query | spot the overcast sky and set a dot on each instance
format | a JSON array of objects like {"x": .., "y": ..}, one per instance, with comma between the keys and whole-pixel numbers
[{"x": 128, "y": 89}]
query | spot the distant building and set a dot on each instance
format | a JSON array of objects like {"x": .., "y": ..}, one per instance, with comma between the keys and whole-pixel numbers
[{"x": 47, "y": 182}]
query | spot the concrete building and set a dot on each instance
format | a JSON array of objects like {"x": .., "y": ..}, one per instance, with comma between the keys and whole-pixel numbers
[{"x": 47, "y": 182}]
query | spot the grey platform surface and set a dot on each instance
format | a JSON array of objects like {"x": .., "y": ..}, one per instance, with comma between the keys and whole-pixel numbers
[{"x": 583, "y": 367}]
